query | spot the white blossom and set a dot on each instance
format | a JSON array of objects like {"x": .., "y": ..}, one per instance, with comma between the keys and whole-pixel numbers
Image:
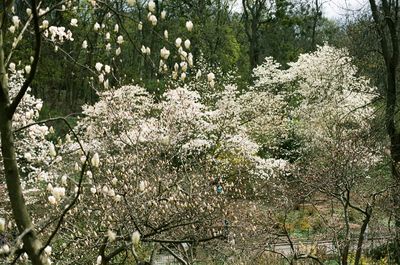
[
  {"x": 163, "y": 14},
  {"x": 187, "y": 44},
  {"x": 74, "y": 22},
  {"x": 131, "y": 2},
  {"x": 210, "y": 77},
  {"x": 2, "y": 224},
  {"x": 183, "y": 76},
  {"x": 27, "y": 69},
  {"x": 120, "y": 39},
  {"x": 52, "y": 199},
  {"x": 48, "y": 250},
  {"x": 52, "y": 150},
  {"x": 95, "y": 159},
  {"x": 96, "y": 26},
  {"x": 84, "y": 44},
  {"x": 11, "y": 67},
  {"x": 99, "y": 260},
  {"x": 189, "y": 25},
  {"x": 101, "y": 78},
  {"x": 135, "y": 238},
  {"x": 152, "y": 6},
  {"x": 98, "y": 66},
  {"x": 153, "y": 20},
  {"x": 16, "y": 21},
  {"x": 178, "y": 42},
  {"x": 12, "y": 29},
  {"x": 164, "y": 53},
  {"x": 111, "y": 235}
]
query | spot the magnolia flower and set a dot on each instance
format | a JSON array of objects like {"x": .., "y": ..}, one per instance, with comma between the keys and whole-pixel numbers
[
  {"x": 108, "y": 36},
  {"x": 98, "y": 66},
  {"x": 166, "y": 34},
  {"x": 116, "y": 28},
  {"x": 74, "y": 22},
  {"x": 178, "y": 42},
  {"x": 212, "y": 83},
  {"x": 131, "y": 2},
  {"x": 189, "y": 25},
  {"x": 39, "y": 105},
  {"x": 58, "y": 192},
  {"x": 198, "y": 74},
  {"x": 174, "y": 75},
  {"x": 5, "y": 249},
  {"x": 176, "y": 67},
  {"x": 152, "y": 6},
  {"x": 120, "y": 39},
  {"x": 163, "y": 14},
  {"x": 29, "y": 12},
  {"x": 148, "y": 51},
  {"x": 108, "y": 47},
  {"x": 28, "y": 156},
  {"x": 135, "y": 238},
  {"x": 12, "y": 29},
  {"x": 48, "y": 250},
  {"x": 111, "y": 193},
  {"x": 11, "y": 67},
  {"x": 64, "y": 179},
  {"x": 142, "y": 186},
  {"x": 27, "y": 69},
  {"x": 16, "y": 21},
  {"x": 153, "y": 20},
  {"x": 52, "y": 199},
  {"x": 106, "y": 84},
  {"x": 2, "y": 224},
  {"x": 96, "y": 26},
  {"x": 118, "y": 51},
  {"x": 52, "y": 150},
  {"x": 187, "y": 44},
  {"x": 140, "y": 25},
  {"x": 184, "y": 66},
  {"x": 143, "y": 49},
  {"x": 164, "y": 53},
  {"x": 114, "y": 181},
  {"x": 93, "y": 190},
  {"x": 107, "y": 69},
  {"x": 111, "y": 235},
  {"x": 183, "y": 76},
  {"x": 183, "y": 55},
  {"x": 95, "y": 158},
  {"x": 210, "y": 77},
  {"x": 101, "y": 78},
  {"x": 99, "y": 260},
  {"x": 190, "y": 59},
  {"x": 84, "y": 44}
]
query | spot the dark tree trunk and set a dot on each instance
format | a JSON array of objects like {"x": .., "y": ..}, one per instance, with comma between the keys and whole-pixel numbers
[
  {"x": 360, "y": 242},
  {"x": 386, "y": 22}
]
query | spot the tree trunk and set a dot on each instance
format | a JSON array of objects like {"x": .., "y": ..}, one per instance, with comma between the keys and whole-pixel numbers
[
  {"x": 386, "y": 22},
  {"x": 32, "y": 245},
  {"x": 345, "y": 250},
  {"x": 360, "y": 242}
]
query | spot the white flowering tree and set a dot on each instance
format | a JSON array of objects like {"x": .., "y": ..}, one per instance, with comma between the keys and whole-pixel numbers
[
  {"x": 29, "y": 159},
  {"x": 135, "y": 168},
  {"x": 331, "y": 110}
]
